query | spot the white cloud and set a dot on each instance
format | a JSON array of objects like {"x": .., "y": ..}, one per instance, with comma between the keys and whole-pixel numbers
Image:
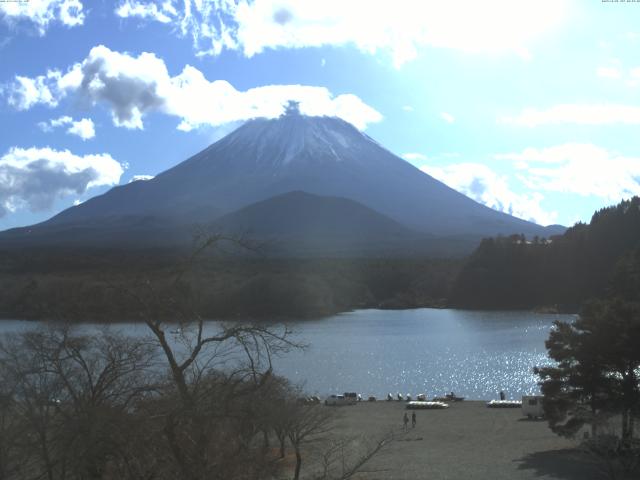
[
  {"x": 207, "y": 22},
  {"x": 132, "y": 86},
  {"x": 407, "y": 108},
  {"x": 41, "y": 13},
  {"x": 412, "y": 156},
  {"x": 401, "y": 29},
  {"x": 83, "y": 128},
  {"x": 579, "y": 114},
  {"x": 479, "y": 182},
  {"x": 447, "y": 117},
  {"x": 26, "y": 92},
  {"x": 131, "y": 8},
  {"x": 579, "y": 168},
  {"x": 615, "y": 71},
  {"x": 34, "y": 178},
  {"x": 633, "y": 78},
  {"x": 609, "y": 72}
]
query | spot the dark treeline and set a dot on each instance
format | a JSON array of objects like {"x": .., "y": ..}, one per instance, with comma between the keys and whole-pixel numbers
[
  {"x": 562, "y": 272},
  {"x": 78, "y": 285},
  {"x": 503, "y": 273}
]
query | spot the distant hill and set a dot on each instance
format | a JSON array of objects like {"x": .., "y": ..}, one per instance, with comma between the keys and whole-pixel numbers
[
  {"x": 587, "y": 261},
  {"x": 264, "y": 159},
  {"x": 302, "y": 223}
]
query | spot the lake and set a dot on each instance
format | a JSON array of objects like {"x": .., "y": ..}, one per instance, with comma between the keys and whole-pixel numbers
[
  {"x": 374, "y": 352},
  {"x": 475, "y": 354}
]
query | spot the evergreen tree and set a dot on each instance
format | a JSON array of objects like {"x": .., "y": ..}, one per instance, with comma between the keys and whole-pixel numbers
[{"x": 598, "y": 369}]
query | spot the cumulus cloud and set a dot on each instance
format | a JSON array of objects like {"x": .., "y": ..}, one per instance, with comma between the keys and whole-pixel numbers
[
  {"x": 579, "y": 114},
  {"x": 132, "y": 87},
  {"x": 83, "y": 128},
  {"x": 580, "y": 168},
  {"x": 479, "y": 182},
  {"x": 412, "y": 156},
  {"x": 34, "y": 178},
  {"x": 41, "y": 13},
  {"x": 24, "y": 93},
  {"x": 402, "y": 30},
  {"x": 129, "y": 86},
  {"x": 209, "y": 23},
  {"x": 608, "y": 72},
  {"x": 160, "y": 13},
  {"x": 447, "y": 117}
]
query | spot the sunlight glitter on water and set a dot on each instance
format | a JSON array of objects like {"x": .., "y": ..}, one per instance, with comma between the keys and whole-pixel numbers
[{"x": 374, "y": 352}]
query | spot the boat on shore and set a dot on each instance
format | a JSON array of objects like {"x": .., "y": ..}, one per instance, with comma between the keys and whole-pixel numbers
[
  {"x": 504, "y": 404},
  {"x": 417, "y": 405}
]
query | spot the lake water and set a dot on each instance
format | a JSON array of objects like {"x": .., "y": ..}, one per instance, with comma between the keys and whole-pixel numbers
[
  {"x": 374, "y": 352},
  {"x": 475, "y": 354}
]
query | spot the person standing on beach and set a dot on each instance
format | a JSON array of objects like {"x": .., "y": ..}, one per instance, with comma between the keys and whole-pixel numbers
[
  {"x": 405, "y": 419},
  {"x": 501, "y": 395},
  {"x": 413, "y": 420}
]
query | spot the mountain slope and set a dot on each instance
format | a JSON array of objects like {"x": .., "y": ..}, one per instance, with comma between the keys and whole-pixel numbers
[
  {"x": 302, "y": 223},
  {"x": 318, "y": 155},
  {"x": 263, "y": 159}
]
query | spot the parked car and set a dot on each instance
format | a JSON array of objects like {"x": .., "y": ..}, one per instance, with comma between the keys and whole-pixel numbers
[
  {"x": 352, "y": 397},
  {"x": 337, "y": 400}
]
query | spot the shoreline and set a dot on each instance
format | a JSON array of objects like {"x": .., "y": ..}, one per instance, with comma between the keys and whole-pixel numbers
[
  {"x": 290, "y": 318},
  {"x": 466, "y": 440}
]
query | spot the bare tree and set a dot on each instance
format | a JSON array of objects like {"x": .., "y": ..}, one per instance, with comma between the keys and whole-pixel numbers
[
  {"x": 344, "y": 457},
  {"x": 214, "y": 371},
  {"x": 308, "y": 423},
  {"x": 192, "y": 400},
  {"x": 71, "y": 395}
]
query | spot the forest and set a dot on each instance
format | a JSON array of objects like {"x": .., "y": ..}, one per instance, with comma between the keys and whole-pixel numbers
[
  {"x": 511, "y": 272},
  {"x": 81, "y": 286},
  {"x": 559, "y": 273}
]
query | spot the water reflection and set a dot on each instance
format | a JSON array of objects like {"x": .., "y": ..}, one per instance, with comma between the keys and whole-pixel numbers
[{"x": 475, "y": 354}]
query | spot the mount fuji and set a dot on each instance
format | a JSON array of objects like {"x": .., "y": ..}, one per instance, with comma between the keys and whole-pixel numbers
[{"x": 340, "y": 177}]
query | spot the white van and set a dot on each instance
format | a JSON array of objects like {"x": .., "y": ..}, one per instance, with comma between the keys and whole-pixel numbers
[
  {"x": 338, "y": 400},
  {"x": 532, "y": 406}
]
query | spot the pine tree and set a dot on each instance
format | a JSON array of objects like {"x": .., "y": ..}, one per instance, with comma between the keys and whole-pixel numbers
[{"x": 597, "y": 370}]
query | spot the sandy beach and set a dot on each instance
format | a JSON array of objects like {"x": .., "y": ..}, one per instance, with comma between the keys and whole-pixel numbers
[{"x": 465, "y": 441}]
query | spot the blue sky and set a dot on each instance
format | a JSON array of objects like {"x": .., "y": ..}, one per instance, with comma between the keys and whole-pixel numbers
[{"x": 531, "y": 107}]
